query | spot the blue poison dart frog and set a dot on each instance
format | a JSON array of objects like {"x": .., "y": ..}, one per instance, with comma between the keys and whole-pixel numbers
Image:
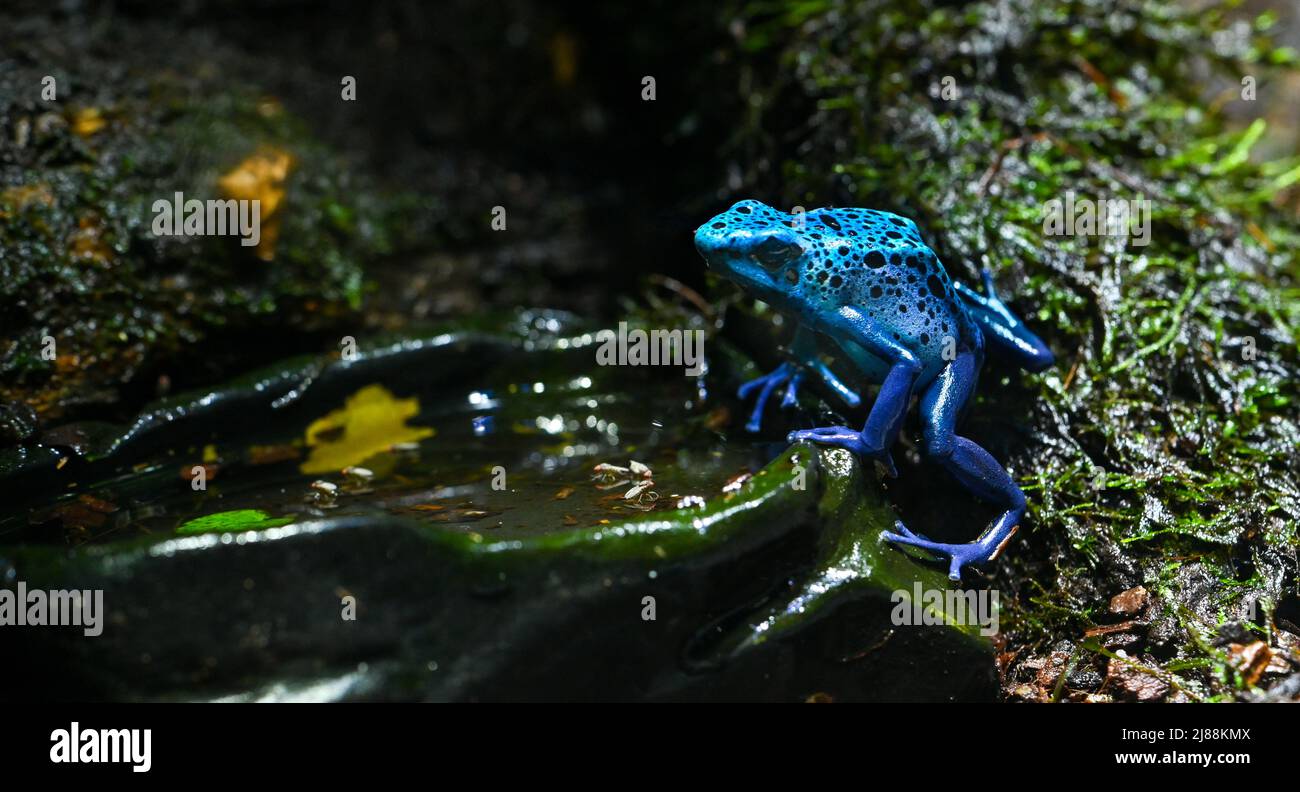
[{"x": 865, "y": 279}]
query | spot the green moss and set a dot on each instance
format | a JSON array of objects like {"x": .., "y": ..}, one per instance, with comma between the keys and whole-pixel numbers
[{"x": 1168, "y": 430}]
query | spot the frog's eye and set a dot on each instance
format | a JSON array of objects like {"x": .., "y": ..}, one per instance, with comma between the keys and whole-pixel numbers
[{"x": 775, "y": 252}]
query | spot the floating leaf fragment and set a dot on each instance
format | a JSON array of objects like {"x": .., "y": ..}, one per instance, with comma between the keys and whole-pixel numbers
[{"x": 236, "y": 520}]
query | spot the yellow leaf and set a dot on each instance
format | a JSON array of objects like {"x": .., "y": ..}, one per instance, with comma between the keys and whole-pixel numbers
[
  {"x": 87, "y": 121},
  {"x": 371, "y": 421},
  {"x": 261, "y": 177}
]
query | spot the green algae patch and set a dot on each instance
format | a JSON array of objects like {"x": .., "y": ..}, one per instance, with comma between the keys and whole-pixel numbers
[
  {"x": 854, "y": 568},
  {"x": 230, "y": 521}
]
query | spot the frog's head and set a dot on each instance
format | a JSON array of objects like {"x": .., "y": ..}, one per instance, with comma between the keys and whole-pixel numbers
[{"x": 757, "y": 247}]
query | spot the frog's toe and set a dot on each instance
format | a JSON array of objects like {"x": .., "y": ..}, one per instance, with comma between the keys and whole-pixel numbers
[
  {"x": 958, "y": 554},
  {"x": 766, "y": 382},
  {"x": 905, "y": 531},
  {"x": 906, "y": 537},
  {"x": 841, "y": 436},
  {"x": 990, "y": 290},
  {"x": 792, "y": 390},
  {"x": 847, "y": 438},
  {"x": 765, "y": 385}
]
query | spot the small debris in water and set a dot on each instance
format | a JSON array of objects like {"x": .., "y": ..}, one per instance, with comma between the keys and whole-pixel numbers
[
  {"x": 324, "y": 495},
  {"x": 736, "y": 482},
  {"x": 357, "y": 480},
  {"x": 209, "y": 471},
  {"x": 639, "y": 490},
  {"x": 270, "y": 454},
  {"x": 611, "y": 476}
]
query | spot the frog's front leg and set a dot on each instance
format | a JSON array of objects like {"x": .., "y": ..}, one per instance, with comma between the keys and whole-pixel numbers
[
  {"x": 803, "y": 348},
  {"x": 886, "y": 416},
  {"x": 971, "y": 465}
]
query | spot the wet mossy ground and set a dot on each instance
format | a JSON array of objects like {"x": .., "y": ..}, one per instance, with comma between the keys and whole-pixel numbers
[{"x": 1163, "y": 450}]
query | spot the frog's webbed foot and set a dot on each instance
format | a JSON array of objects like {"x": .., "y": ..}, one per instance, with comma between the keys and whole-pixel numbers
[
  {"x": 987, "y": 548},
  {"x": 847, "y": 438},
  {"x": 784, "y": 374}
]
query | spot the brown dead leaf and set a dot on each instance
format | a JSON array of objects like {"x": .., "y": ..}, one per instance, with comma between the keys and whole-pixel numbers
[
  {"x": 1250, "y": 660},
  {"x": 270, "y": 454},
  {"x": 1126, "y": 681},
  {"x": 1130, "y": 602},
  {"x": 1107, "y": 629},
  {"x": 97, "y": 504}
]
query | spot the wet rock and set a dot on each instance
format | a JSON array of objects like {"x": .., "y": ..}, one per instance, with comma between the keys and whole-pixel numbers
[
  {"x": 428, "y": 582},
  {"x": 17, "y": 423},
  {"x": 95, "y": 306}
]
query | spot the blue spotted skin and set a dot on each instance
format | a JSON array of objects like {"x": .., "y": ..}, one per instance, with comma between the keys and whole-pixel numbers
[{"x": 865, "y": 279}]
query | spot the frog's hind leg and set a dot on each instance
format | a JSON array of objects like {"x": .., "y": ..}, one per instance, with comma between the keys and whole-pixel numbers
[
  {"x": 1003, "y": 327},
  {"x": 970, "y": 464}
]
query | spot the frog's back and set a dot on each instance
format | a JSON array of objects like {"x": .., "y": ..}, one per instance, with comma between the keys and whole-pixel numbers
[{"x": 877, "y": 262}]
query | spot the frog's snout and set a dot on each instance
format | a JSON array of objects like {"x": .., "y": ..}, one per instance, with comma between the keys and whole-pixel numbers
[{"x": 710, "y": 238}]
